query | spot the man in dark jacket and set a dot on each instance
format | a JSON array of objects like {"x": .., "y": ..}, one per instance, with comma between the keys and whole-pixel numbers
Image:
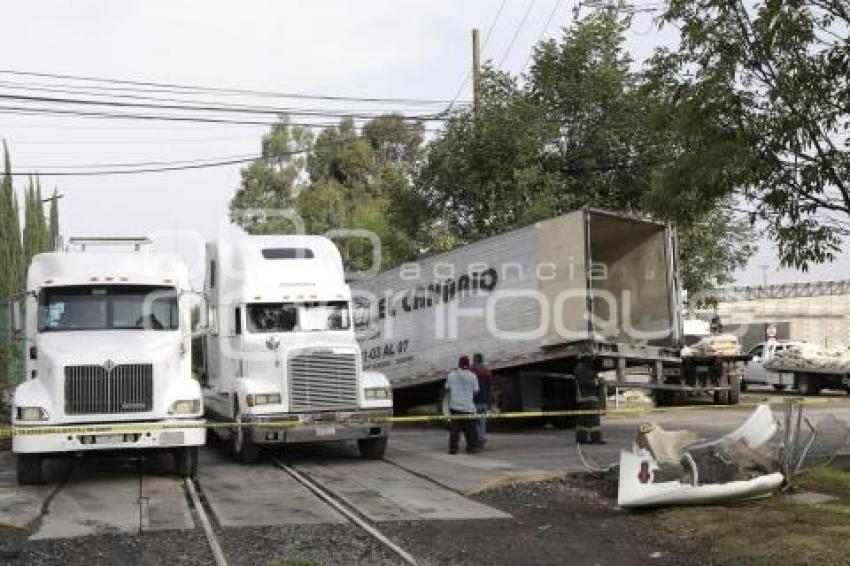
[{"x": 484, "y": 398}]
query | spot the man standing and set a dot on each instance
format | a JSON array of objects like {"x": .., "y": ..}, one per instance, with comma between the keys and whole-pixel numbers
[
  {"x": 483, "y": 398},
  {"x": 461, "y": 386}
]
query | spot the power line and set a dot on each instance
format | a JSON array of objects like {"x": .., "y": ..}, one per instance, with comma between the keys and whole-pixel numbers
[
  {"x": 268, "y": 111},
  {"x": 542, "y": 33},
  {"x": 517, "y": 32},
  {"x": 26, "y": 110},
  {"x": 469, "y": 71},
  {"x": 15, "y": 87},
  {"x": 168, "y": 87}
]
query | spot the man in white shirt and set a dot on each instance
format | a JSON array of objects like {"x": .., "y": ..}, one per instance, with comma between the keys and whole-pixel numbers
[{"x": 461, "y": 387}]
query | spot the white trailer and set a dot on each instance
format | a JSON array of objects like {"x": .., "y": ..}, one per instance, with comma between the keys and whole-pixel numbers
[
  {"x": 108, "y": 337},
  {"x": 589, "y": 298},
  {"x": 282, "y": 358}
]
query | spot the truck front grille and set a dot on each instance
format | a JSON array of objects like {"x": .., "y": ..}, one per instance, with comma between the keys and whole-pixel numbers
[
  {"x": 92, "y": 389},
  {"x": 322, "y": 381}
]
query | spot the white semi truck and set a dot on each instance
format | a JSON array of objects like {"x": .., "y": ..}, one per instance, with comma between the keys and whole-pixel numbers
[
  {"x": 588, "y": 299},
  {"x": 282, "y": 359},
  {"x": 108, "y": 334}
]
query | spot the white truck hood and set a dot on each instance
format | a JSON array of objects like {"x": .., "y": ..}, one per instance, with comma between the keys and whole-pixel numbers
[{"x": 96, "y": 347}]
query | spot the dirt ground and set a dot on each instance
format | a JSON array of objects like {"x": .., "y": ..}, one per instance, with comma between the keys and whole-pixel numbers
[{"x": 570, "y": 520}]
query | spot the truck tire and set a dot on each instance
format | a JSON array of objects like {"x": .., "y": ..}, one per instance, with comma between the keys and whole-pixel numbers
[
  {"x": 372, "y": 448},
  {"x": 734, "y": 394},
  {"x": 186, "y": 462},
  {"x": 244, "y": 450},
  {"x": 721, "y": 397},
  {"x": 779, "y": 387},
  {"x": 807, "y": 385},
  {"x": 29, "y": 469}
]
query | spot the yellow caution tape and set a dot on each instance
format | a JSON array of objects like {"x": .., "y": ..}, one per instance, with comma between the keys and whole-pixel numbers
[{"x": 8, "y": 431}]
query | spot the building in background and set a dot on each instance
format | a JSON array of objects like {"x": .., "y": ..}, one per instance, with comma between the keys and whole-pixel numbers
[{"x": 813, "y": 312}]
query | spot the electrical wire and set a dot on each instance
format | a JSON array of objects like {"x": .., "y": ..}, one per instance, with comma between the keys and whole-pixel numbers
[
  {"x": 517, "y": 32},
  {"x": 268, "y": 111},
  {"x": 16, "y": 87},
  {"x": 469, "y": 71},
  {"x": 542, "y": 33},
  {"x": 175, "y": 88}
]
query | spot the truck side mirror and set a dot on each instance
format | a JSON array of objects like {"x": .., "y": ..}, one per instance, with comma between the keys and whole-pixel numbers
[
  {"x": 200, "y": 315},
  {"x": 17, "y": 317}
]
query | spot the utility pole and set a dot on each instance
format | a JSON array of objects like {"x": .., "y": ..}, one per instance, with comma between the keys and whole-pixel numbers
[{"x": 476, "y": 69}]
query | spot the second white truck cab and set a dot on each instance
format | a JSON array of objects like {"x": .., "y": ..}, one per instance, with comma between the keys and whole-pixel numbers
[
  {"x": 282, "y": 358},
  {"x": 762, "y": 353},
  {"x": 108, "y": 367}
]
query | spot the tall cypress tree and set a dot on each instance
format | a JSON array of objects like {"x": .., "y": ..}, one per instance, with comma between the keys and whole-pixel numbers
[
  {"x": 11, "y": 251},
  {"x": 54, "y": 221},
  {"x": 31, "y": 235},
  {"x": 43, "y": 229}
]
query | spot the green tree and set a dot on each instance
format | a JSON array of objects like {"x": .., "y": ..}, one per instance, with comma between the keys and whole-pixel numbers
[
  {"x": 577, "y": 133},
  {"x": 272, "y": 183},
  {"x": 757, "y": 98},
  {"x": 54, "y": 221},
  {"x": 11, "y": 251},
  {"x": 35, "y": 225},
  {"x": 350, "y": 178}
]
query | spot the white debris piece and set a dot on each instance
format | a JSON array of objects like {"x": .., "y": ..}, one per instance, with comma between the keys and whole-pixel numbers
[
  {"x": 719, "y": 345},
  {"x": 669, "y": 468},
  {"x": 630, "y": 398}
]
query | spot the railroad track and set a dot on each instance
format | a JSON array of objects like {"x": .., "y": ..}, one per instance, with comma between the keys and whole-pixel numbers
[{"x": 194, "y": 492}]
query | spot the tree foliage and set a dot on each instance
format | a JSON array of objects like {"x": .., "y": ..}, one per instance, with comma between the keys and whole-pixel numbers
[
  {"x": 579, "y": 132},
  {"x": 757, "y": 99},
  {"x": 347, "y": 178}
]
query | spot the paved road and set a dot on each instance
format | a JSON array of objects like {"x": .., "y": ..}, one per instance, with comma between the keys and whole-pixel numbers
[{"x": 417, "y": 481}]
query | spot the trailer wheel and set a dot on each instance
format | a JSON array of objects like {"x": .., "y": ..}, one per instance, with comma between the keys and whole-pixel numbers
[
  {"x": 734, "y": 394},
  {"x": 807, "y": 386},
  {"x": 29, "y": 469},
  {"x": 244, "y": 450},
  {"x": 779, "y": 387},
  {"x": 372, "y": 448},
  {"x": 186, "y": 462}
]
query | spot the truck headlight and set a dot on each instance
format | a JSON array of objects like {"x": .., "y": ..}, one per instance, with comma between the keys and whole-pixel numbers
[
  {"x": 378, "y": 393},
  {"x": 185, "y": 407},
  {"x": 263, "y": 399},
  {"x": 32, "y": 414}
]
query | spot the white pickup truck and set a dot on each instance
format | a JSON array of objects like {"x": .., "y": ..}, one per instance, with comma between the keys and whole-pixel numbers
[{"x": 762, "y": 353}]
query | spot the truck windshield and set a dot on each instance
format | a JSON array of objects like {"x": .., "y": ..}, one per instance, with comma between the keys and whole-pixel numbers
[
  {"x": 107, "y": 307},
  {"x": 298, "y": 317}
]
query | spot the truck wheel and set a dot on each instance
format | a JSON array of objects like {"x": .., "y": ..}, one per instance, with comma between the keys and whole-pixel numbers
[
  {"x": 734, "y": 394},
  {"x": 186, "y": 462},
  {"x": 29, "y": 469},
  {"x": 721, "y": 397},
  {"x": 244, "y": 450},
  {"x": 806, "y": 386},
  {"x": 779, "y": 387},
  {"x": 372, "y": 448}
]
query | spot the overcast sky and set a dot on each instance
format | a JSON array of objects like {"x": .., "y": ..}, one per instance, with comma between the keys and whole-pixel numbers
[{"x": 388, "y": 49}]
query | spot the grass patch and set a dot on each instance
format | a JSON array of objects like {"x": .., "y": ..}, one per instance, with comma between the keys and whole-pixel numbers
[{"x": 773, "y": 530}]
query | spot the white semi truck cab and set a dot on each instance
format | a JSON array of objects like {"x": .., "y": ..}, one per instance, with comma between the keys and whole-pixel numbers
[
  {"x": 283, "y": 362},
  {"x": 108, "y": 336}
]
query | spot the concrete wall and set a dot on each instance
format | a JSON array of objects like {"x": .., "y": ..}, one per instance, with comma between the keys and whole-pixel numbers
[{"x": 817, "y": 313}]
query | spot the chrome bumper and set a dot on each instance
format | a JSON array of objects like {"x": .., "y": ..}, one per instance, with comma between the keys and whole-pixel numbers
[{"x": 318, "y": 427}]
